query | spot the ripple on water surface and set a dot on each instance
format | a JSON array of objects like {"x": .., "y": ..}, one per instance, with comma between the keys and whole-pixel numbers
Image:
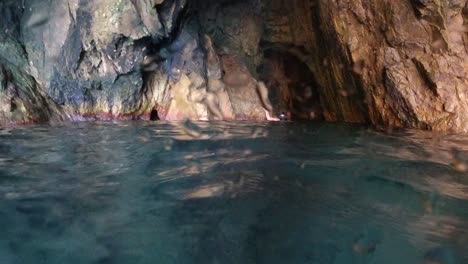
[{"x": 231, "y": 193}]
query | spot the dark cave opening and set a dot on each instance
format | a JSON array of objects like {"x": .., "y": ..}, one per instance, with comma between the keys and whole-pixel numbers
[
  {"x": 154, "y": 116},
  {"x": 292, "y": 86}
]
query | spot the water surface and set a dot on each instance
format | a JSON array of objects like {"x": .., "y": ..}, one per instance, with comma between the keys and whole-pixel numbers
[{"x": 136, "y": 192}]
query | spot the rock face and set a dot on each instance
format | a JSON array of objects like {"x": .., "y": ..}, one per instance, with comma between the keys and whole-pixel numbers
[
  {"x": 395, "y": 63},
  {"x": 390, "y": 63}
]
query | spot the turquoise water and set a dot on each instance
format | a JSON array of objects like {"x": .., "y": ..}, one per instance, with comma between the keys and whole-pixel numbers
[{"x": 136, "y": 192}]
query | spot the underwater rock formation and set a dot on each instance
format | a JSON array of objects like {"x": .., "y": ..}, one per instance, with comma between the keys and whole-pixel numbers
[{"x": 388, "y": 63}]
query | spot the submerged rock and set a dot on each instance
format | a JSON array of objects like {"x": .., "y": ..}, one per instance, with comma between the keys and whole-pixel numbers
[
  {"x": 365, "y": 244},
  {"x": 440, "y": 255}
]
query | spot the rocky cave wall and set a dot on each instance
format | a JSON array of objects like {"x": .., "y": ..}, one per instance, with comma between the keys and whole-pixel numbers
[{"x": 390, "y": 63}]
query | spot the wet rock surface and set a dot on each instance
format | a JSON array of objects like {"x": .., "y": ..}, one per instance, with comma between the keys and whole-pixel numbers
[
  {"x": 388, "y": 63},
  {"x": 398, "y": 63}
]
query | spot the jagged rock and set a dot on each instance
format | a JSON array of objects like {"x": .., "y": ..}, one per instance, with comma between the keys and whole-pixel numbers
[
  {"x": 181, "y": 107},
  {"x": 392, "y": 63},
  {"x": 87, "y": 54},
  {"x": 220, "y": 100},
  {"x": 242, "y": 89},
  {"x": 22, "y": 99},
  {"x": 402, "y": 63}
]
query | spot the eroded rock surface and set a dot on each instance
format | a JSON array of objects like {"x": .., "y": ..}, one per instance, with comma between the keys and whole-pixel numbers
[
  {"x": 393, "y": 63},
  {"x": 390, "y": 63}
]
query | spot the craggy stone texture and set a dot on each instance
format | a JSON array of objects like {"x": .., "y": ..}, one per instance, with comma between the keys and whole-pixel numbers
[
  {"x": 105, "y": 59},
  {"x": 85, "y": 56},
  {"x": 22, "y": 99},
  {"x": 390, "y": 63},
  {"x": 397, "y": 63}
]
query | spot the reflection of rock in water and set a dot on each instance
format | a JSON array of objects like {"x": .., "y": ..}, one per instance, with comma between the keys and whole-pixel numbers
[
  {"x": 440, "y": 255},
  {"x": 214, "y": 230},
  {"x": 459, "y": 160},
  {"x": 364, "y": 245},
  {"x": 205, "y": 191}
]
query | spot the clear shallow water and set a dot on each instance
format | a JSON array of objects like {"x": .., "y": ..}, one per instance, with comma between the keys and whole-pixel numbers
[{"x": 230, "y": 193}]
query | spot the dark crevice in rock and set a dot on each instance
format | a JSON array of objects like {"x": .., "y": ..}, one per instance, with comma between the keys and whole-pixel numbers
[
  {"x": 13, "y": 106},
  {"x": 465, "y": 26},
  {"x": 11, "y": 12},
  {"x": 161, "y": 19},
  {"x": 154, "y": 116},
  {"x": 426, "y": 76},
  {"x": 168, "y": 9},
  {"x": 417, "y": 6},
  {"x": 154, "y": 53},
  {"x": 70, "y": 13},
  {"x": 292, "y": 85},
  {"x": 88, "y": 63},
  {"x": 342, "y": 100}
]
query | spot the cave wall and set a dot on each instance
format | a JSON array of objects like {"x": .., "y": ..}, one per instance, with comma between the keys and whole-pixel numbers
[
  {"x": 83, "y": 57},
  {"x": 391, "y": 63}
]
